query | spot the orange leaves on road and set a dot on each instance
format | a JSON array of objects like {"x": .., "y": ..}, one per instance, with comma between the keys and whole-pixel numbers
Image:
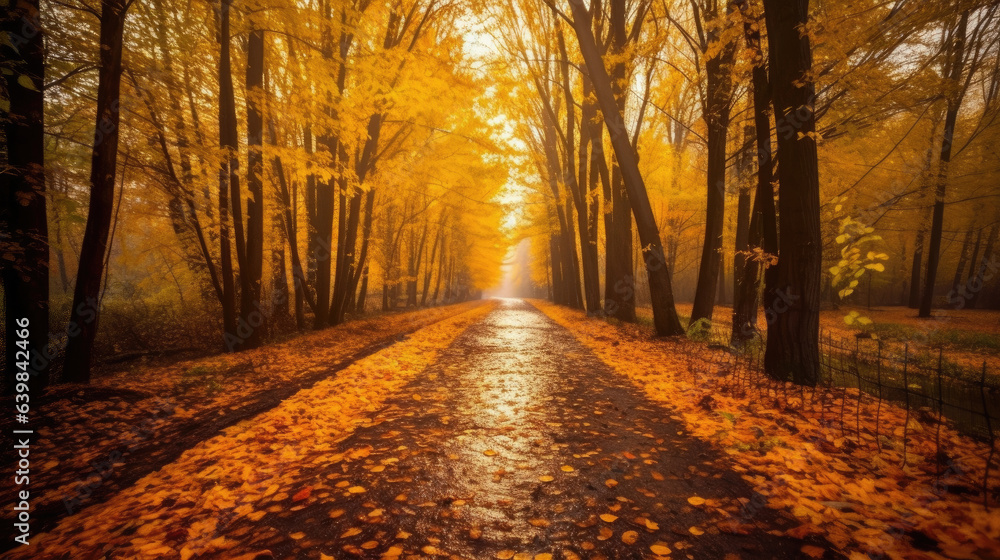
[
  {"x": 855, "y": 497},
  {"x": 302, "y": 494},
  {"x": 264, "y": 466}
]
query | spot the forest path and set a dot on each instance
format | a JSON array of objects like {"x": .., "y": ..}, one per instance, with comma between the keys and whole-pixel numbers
[{"x": 519, "y": 440}]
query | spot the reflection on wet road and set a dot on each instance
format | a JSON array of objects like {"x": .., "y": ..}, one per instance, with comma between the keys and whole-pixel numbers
[{"x": 520, "y": 443}]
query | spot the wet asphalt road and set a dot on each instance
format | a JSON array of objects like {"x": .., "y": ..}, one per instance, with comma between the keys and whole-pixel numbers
[{"x": 516, "y": 443}]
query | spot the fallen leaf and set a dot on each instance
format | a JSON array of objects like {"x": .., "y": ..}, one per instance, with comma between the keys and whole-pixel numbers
[
  {"x": 660, "y": 550},
  {"x": 696, "y": 500},
  {"x": 546, "y": 478},
  {"x": 567, "y": 468},
  {"x": 813, "y": 551},
  {"x": 696, "y": 531},
  {"x": 629, "y": 537},
  {"x": 506, "y": 554},
  {"x": 356, "y": 490},
  {"x": 607, "y": 517}
]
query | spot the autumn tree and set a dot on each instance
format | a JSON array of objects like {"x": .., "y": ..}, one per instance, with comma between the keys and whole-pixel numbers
[{"x": 103, "y": 168}]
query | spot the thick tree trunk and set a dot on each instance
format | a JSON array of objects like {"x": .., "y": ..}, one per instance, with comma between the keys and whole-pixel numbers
[
  {"x": 793, "y": 334},
  {"x": 664, "y": 312},
  {"x": 957, "y": 51},
  {"x": 85, "y": 313},
  {"x": 619, "y": 284},
  {"x": 23, "y": 222}
]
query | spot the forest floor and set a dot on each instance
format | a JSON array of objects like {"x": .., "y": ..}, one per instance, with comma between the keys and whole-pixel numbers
[
  {"x": 513, "y": 430},
  {"x": 967, "y": 337},
  {"x": 100, "y": 438}
]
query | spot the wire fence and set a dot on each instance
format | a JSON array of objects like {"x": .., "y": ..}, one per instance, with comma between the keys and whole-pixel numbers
[{"x": 927, "y": 387}]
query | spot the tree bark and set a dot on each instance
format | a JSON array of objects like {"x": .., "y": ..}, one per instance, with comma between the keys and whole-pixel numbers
[
  {"x": 619, "y": 284},
  {"x": 762, "y": 237},
  {"x": 85, "y": 313},
  {"x": 793, "y": 334}
]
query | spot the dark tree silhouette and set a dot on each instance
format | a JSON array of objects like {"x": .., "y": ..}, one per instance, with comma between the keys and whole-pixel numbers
[
  {"x": 24, "y": 237},
  {"x": 85, "y": 312}
]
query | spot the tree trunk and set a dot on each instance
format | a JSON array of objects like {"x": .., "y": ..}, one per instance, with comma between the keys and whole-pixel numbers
[
  {"x": 230, "y": 204},
  {"x": 361, "y": 269},
  {"x": 918, "y": 251},
  {"x": 664, "y": 312},
  {"x": 23, "y": 222},
  {"x": 619, "y": 284},
  {"x": 957, "y": 51},
  {"x": 252, "y": 316},
  {"x": 588, "y": 250},
  {"x": 85, "y": 312},
  {"x": 763, "y": 232},
  {"x": 793, "y": 335},
  {"x": 963, "y": 259},
  {"x": 718, "y": 97},
  {"x": 430, "y": 267}
]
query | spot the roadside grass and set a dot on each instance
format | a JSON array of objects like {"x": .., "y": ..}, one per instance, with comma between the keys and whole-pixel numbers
[{"x": 962, "y": 339}]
